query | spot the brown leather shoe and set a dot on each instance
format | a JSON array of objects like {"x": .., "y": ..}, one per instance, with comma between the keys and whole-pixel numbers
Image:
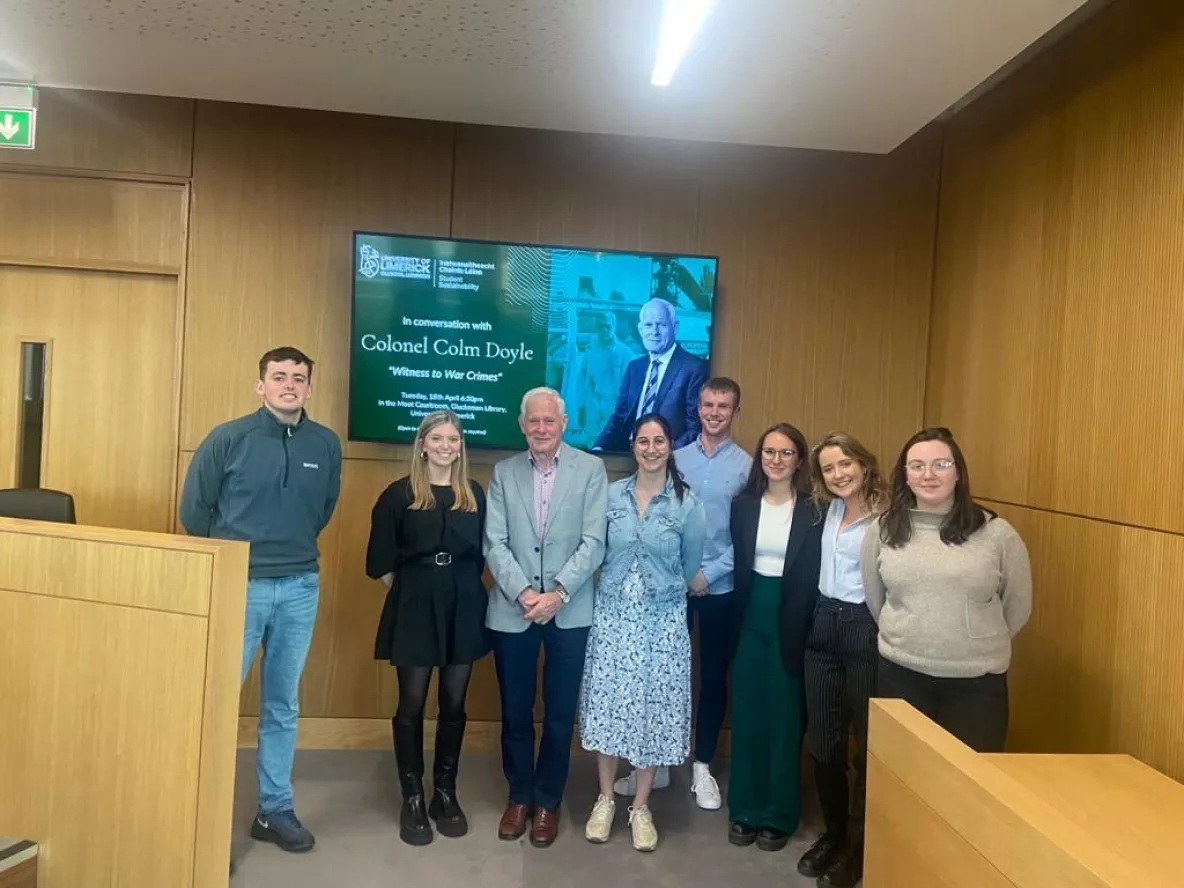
[
  {"x": 545, "y": 828},
  {"x": 513, "y": 823}
]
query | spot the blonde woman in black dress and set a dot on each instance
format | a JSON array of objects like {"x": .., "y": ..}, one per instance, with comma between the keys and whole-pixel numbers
[{"x": 425, "y": 549}]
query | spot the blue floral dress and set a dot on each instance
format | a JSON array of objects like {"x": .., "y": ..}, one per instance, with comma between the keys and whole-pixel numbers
[{"x": 635, "y": 702}]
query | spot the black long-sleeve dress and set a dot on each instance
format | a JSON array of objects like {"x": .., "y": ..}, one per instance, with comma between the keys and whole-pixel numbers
[{"x": 434, "y": 614}]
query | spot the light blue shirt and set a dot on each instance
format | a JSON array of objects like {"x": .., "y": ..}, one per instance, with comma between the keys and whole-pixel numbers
[
  {"x": 715, "y": 480},
  {"x": 840, "y": 577}
]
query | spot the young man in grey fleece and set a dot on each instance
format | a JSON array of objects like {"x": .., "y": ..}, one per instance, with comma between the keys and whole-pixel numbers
[{"x": 272, "y": 478}]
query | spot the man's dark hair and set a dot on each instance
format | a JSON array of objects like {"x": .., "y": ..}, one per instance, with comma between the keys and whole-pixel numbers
[
  {"x": 281, "y": 354},
  {"x": 723, "y": 384}
]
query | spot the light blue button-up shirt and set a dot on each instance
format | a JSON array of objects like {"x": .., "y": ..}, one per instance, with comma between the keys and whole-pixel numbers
[
  {"x": 840, "y": 577},
  {"x": 715, "y": 480}
]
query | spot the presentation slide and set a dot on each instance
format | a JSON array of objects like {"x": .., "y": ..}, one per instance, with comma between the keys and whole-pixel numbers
[{"x": 472, "y": 325}]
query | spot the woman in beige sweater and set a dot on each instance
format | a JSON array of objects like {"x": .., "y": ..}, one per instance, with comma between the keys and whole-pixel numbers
[{"x": 949, "y": 585}]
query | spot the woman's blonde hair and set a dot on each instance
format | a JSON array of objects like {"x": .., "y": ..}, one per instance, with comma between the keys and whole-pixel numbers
[
  {"x": 873, "y": 492},
  {"x": 421, "y": 487}
]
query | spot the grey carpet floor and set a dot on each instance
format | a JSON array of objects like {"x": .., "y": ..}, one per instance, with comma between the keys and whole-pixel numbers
[{"x": 349, "y": 799}]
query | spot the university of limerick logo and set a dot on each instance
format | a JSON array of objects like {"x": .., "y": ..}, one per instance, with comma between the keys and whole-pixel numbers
[{"x": 369, "y": 262}]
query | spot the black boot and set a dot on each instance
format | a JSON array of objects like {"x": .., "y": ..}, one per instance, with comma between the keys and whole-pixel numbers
[
  {"x": 848, "y": 869},
  {"x": 831, "y": 778},
  {"x": 445, "y": 809},
  {"x": 414, "y": 826}
]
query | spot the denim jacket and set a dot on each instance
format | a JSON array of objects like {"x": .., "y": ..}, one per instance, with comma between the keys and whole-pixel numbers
[{"x": 668, "y": 539}]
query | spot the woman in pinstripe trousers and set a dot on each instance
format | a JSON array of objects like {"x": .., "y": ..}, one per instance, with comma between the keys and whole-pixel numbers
[{"x": 841, "y": 655}]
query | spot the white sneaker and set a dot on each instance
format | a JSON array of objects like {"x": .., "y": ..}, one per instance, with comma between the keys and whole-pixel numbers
[
  {"x": 645, "y": 836},
  {"x": 600, "y": 824},
  {"x": 627, "y": 786},
  {"x": 705, "y": 788}
]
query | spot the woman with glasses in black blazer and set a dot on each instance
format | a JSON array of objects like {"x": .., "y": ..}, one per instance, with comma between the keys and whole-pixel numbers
[{"x": 776, "y": 536}]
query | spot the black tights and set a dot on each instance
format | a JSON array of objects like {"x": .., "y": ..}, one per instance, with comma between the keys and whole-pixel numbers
[{"x": 413, "y": 692}]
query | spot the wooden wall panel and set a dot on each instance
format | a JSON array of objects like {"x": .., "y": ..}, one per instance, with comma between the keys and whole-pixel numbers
[
  {"x": 1059, "y": 268},
  {"x": 1055, "y": 358},
  {"x": 92, "y": 223},
  {"x": 1100, "y": 667},
  {"x": 111, "y": 426},
  {"x": 276, "y": 196},
  {"x": 575, "y": 190},
  {"x": 110, "y": 133},
  {"x": 825, "y": 259},
  {"x": 825, "y": 269}
]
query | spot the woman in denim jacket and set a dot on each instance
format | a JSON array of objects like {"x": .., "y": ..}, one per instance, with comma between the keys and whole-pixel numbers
[{"x": 636, "y": 698}]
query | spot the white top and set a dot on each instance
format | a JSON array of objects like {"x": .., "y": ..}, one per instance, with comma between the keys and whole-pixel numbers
[
  {"x": 663, "y": 362},
  {"x": 772, "y": 538}
]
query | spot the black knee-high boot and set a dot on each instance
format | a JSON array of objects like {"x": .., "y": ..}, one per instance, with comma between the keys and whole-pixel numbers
[
  {"x": 414, "y": 826},
  {"x": 445, "y": 809}
]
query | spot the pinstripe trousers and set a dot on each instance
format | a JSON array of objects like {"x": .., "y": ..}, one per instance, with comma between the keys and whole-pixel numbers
[{"x": 840, "y": 677}]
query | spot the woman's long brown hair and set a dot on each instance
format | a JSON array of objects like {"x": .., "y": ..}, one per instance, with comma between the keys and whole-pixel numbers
[{"x": 965, "y": 516}]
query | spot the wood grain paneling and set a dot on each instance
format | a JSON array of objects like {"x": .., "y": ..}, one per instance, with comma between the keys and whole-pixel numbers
[
  {"x": 23, "y": 875},
  {"x": 66, "y": 569},
  {"x": 92, "y": 223},
  {"x": 575, "y": 190},
  {"x": 1100, "y": 666},
  {"x": 1059, "y": 267},
  {"x": 813, "y": 334},
  {"x": 110, "y": 132},
  {"x": 1054, "y": 822},
  {"x": 277, "y": 194},
  {"x": 907, "y": 838},
  {"x": 111, "y": 415},
  {"x": 1054, "y": 356},
  {"x": 825, "y": 270},
  {"x": 121, "y": 698}
]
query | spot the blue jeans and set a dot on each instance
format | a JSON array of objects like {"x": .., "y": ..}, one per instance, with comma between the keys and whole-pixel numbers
[
  {"x": 281, "y": 612},
  {"x": 516, "y": 658}
]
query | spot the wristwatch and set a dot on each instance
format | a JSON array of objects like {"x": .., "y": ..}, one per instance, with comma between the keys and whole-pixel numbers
[{"x": 562, "y": 593}]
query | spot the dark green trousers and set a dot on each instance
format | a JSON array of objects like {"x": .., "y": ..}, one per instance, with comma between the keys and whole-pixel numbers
[{"x": 768, "y": 720}]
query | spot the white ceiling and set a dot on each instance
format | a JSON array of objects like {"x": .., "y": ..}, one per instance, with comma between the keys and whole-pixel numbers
[{"x": 860, "y": 75}]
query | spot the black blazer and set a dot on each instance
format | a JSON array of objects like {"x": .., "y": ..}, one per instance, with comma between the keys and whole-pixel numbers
[{"x": 799, "y": 582}]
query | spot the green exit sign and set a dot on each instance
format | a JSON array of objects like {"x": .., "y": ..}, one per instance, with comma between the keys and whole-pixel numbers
[{"x": 18, "y": 127}]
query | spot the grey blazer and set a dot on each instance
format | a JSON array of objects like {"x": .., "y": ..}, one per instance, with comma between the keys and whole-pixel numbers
[{"x": 569, "y": 552}]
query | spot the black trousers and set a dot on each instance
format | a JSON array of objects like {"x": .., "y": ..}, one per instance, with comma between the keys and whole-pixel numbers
[
  {"x": 840, "y": 677},
  {"x": 712, "y": 611},
  {"x": 974, "y": 710}
]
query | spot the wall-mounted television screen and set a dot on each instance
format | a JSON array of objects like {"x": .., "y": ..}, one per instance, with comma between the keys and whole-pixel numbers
[{"x": 472, "y": 325}]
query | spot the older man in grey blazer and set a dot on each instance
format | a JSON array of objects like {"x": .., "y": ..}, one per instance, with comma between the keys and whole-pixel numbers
[{"x": 544, "y": 538}]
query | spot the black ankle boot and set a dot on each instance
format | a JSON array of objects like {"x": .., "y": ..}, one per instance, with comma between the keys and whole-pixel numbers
[
  {"x": 848, "y": 869},
  {"x": 445, "y": 809},
  {"x": 414, "y": 826}
]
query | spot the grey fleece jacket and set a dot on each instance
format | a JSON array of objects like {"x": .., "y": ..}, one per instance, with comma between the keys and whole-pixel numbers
[
  {"x": 948, "y": 611},
  {"x": 273, "y": 485}
]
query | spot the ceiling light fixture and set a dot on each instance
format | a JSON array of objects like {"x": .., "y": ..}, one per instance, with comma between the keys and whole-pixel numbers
[{"x": 681, "y": 21}]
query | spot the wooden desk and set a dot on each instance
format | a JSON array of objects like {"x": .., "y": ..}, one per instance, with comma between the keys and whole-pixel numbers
[
  {"x": 940, "y": 814},
  {"x": 120, "y": 659},
  {"x": 18, "y": 863}
]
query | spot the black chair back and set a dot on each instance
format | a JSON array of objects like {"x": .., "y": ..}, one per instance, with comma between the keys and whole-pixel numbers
[{"x": 38, "y": 504}]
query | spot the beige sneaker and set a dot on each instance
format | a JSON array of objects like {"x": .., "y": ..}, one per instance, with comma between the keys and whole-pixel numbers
[
  {"x": 600, "y": 824},
  {"x": 645, "y": 836}
]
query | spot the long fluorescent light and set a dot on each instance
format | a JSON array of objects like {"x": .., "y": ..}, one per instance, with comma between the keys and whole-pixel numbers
[{"x": 681, "y": 21}]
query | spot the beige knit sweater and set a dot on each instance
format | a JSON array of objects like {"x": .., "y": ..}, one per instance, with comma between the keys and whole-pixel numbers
[{"x": 948, "y": 611}]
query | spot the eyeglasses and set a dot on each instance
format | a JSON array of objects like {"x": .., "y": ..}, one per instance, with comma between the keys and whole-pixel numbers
[
  {"x": 771, "y": 453},
  {"x": 916, "y": 467}
]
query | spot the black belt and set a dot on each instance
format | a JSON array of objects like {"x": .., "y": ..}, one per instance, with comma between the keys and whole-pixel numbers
[
  {"x": 847, "y": 611},
  {"x": 438, "y": 559}
]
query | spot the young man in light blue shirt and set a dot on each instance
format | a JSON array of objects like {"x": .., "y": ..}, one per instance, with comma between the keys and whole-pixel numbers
[{"x": 715, "y": 468}]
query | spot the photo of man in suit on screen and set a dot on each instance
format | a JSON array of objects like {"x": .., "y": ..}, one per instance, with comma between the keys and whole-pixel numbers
[{"x": 666, "y": 380}]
